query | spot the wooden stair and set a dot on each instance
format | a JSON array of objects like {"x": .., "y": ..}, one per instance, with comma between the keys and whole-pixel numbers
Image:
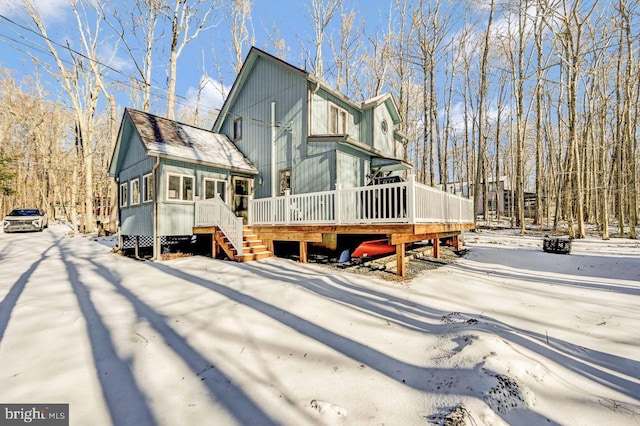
[{"x": 252, "y": 247}]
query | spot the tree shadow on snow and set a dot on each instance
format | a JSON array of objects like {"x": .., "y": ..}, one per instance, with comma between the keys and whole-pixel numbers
[
  {"x": 220, "y": 386},
  {"x": 10, "y": 300},
  {"x": 126, "y": 402},
  {"x": 431, "y": 380},
  {"x": 402, "y": 312}
]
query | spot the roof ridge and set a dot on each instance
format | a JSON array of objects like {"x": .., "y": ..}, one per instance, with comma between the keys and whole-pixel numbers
[{"x": 171, "y": 120}]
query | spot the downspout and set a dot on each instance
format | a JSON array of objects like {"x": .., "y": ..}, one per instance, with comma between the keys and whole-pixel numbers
[
  {"x": 273, "y": 149},
  {"x": 156, "y": 219}
]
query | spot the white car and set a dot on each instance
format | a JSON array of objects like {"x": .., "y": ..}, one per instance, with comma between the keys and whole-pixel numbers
[{"x": 25, "y": 220}]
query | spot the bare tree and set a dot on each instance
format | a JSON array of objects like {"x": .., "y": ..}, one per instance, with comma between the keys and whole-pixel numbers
[
  {"x": 141, "y": 23},
  {"x": 430, "y": 27},
  {"x": 277, "y": 43},
  {"x": 240, "y": 37},
  {"x": 481, "y": 181},
  {"x": 321, "y": 13},
  {"x": 188, "y": 19},
  {"x": 345, "y": 51},
  {"x": 82, "y": 88},
  {"x": 568, "y": 24}
]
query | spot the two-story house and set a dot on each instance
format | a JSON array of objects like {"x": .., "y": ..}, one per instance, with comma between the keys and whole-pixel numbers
[
  {"x": 287, "y": 154},
  {"x": 303, "y": 135}
]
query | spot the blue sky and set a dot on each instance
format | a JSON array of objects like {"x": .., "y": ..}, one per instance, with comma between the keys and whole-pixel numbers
[{"x": 288, "y": 16}]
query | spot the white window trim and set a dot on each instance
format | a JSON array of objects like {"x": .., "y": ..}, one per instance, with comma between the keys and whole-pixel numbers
[
  {"x": 123, "y": 195},
  {"x": 145, "y": 183},
  {"x": 132, "y": 192},
  {"x": 180, "y": 198},
  {"x": 341, "y": 112},
  {"x": 215, "y": 180}
]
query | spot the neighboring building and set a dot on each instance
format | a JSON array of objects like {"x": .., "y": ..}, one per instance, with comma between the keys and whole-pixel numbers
[{"x": 500, "y": 196}]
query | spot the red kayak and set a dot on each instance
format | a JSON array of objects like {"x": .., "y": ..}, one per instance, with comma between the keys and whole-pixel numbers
[{"x": 374, "y": 248}]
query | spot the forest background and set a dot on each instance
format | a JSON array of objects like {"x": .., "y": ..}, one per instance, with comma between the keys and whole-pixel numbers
[{"x": 542, "y": 92}]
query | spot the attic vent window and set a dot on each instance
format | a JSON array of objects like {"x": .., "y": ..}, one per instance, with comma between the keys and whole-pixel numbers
[
  {"x": 384, "y": 126},
  {"x": 237, "y": 129}
]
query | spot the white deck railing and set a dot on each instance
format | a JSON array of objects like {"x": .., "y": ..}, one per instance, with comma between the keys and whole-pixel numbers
[
  {"x": 403, "y": 202},
  {"x": 214, "y": 212}
]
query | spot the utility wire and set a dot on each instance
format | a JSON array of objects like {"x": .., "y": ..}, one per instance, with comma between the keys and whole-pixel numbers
[{"x": 189, "y": 102}]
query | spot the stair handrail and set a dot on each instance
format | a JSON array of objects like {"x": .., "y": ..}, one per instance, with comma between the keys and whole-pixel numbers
[{"x": 228, "y": 222}]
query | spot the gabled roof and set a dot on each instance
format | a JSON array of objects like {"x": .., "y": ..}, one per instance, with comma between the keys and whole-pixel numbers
[
  {"x": 166, "y": 138},
  {"x": 255, "y": 53},
  {"x": 245, "y": 71},
  {"x": 387, "y": 99}
]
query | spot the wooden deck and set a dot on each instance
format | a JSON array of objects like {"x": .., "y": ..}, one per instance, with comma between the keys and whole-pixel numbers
[{"x": 404, "y": 212}]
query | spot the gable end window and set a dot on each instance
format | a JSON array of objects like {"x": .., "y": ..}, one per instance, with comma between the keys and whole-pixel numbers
[
  {"x": 147, "y": 188},
  {"x": 124, "y": 194},
  {"x": 237, "y": 129},
  {"x": 135, "y": 191},
  {"x": 337, "y": 124},
  {"x": 180, "y": 187}
]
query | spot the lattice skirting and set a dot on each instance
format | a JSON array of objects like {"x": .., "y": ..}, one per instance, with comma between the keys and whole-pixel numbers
[{"x": 129, "y": 241}]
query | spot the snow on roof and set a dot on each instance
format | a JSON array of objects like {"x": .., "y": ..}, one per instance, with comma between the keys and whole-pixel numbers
[
  {"x": 375, "y": 99},
  {"x": 173, "y": 139}
]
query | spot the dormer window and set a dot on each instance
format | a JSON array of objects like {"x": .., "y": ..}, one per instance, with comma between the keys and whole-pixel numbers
[
  {"x": 384, "y": 126},
  {"x": 337, "y": 120}
]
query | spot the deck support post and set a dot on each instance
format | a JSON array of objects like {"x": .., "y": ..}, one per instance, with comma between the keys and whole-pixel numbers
[
  {"x": 303, "y": 252},
  {"x": 137, "y": 247},
  {"x": 436, "y": 248},
  {"x": 400, "y": 265},
  {"x": 214, "y": 246},
  {"x": 269, "y": 244},
  {"x": 456, "y": 242}
]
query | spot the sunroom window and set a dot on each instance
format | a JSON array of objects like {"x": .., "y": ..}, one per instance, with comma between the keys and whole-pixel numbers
[
  {"x": 147, "y": 188},
  {"x": 124, "y": 194},
  {"x": 180, "y": 188},
  {"x": 135, "y": 191}
]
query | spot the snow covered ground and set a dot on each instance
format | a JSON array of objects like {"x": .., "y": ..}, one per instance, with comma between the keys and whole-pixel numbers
[{"x": 507, "y": 335}]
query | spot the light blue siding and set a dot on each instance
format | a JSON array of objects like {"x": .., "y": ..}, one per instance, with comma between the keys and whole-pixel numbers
[
  {"x": 302, "y": 109},
  {"x": 177, "y": 217},
  {"x": 270, "y": 82},
  {"x": 320, "y": 104},
  {"x": 349, "y": 170},
  {"x": 366, "y": 127},
  {"x": 137, "y": 219},
  {"x": 383, "y": 141}
]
